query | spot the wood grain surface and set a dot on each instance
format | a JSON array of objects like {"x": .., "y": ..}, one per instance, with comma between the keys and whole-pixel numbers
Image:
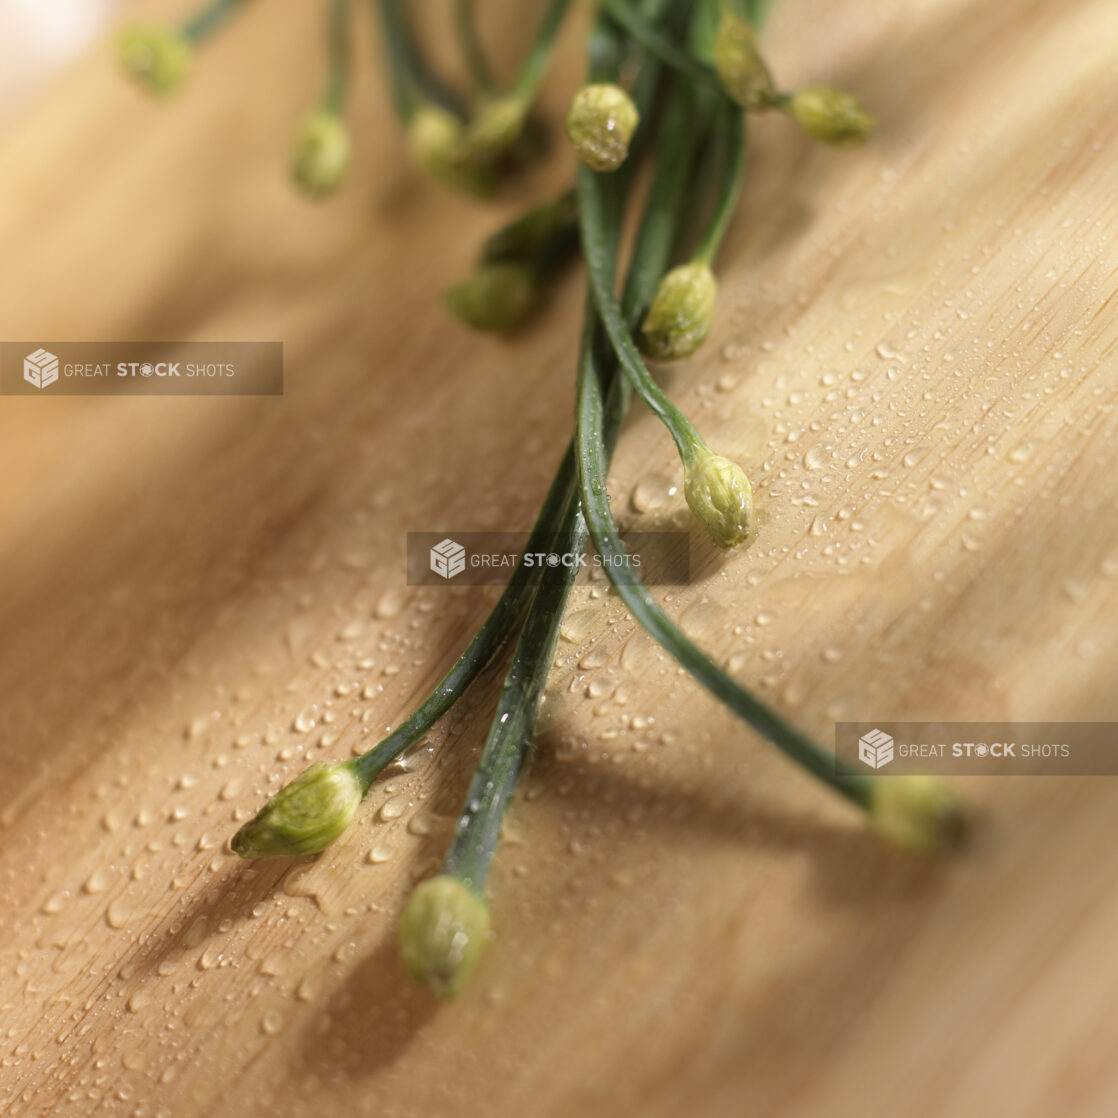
[{"x": 915, "y": 358}]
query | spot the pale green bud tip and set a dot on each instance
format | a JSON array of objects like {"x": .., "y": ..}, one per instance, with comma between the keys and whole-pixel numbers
[
  {"x": 740, "y": 67},
  {"x": 830, "y": 115},
  {"x": 443, "y": 931},
  {"x": 492, "y": 132},
  {"x": 434, "y": 137},
  {"x": 158, "y": 59},
  {"x": 496, "y": 297},
  {"x": 681, "y": 314},
  {"x": 433, "y": 134},
  {"x": 304, "y": 817},
  {"x": 719, "y": 494},
  {"x": 321, "y": 153},
  {"x": 919, "y": 813},
  {"x": 600, "y": 124}
]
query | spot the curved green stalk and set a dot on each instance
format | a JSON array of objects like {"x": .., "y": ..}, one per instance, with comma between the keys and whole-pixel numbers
[
  {"x": 465, "y": 27},
  {"x": 656, "y": 43},
  {"x": 410, "y": 81},
  {"x": 592, "y": 219},
  {"x": 203, "y": 24},
  {"x": 535, "y": 65},
  {"x": 510, "y": 734},
  {"x": 603, "y": 531},
  {"x": 730, "y": 138},
  {"x": 337, "y": 49},
  {"x": 487, "y": 641},
  {"x": 398, "y": 55}
]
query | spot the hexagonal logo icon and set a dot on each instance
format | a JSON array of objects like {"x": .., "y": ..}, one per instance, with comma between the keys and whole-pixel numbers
[
  {"x": 40, "y": 368},
  {"x": 448, "y": 558},
  {"x": 875, "y": 749}
]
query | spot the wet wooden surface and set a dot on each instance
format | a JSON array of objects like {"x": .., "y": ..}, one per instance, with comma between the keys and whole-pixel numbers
[{"x": 915, "y": 359}]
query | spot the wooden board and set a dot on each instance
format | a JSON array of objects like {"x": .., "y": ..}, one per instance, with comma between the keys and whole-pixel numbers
[{"x": 915, "y": 358}]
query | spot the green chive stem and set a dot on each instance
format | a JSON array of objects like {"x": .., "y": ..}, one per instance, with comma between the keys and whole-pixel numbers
[
  {"x": 592, "y": 219},
  {"x": 648, "y": 36},
  {"x": 487, "y": 641},
  {"x": 603, "y": 531},
  {"x": 730, "y": 140},
  {"x": 411, "y": 82},
  {"x": 534, "y": 68},
  {"x": 337, "y": 49},
  {"x": 204, "y": 23},
  {"x": 477, "y": 66},
  {"x": 510, "y": 735}
]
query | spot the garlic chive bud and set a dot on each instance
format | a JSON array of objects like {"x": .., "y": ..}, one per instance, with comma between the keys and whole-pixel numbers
[
  {"x": 321, "y": 153},
  {"x": 496, "y": 297},
  {"x": 919, "y": 813},
  {"x": 830, "y": 115},
  {"x": 435, "y": 136},
  {"x": 305, "y": 816},
  {"x": 443, "y": 930},
  {"x": 681, "y": 314},
  {"x": 433, "y": 133},
  {"x": 720, "y": 496},
  {"x": 160, "y": 60},
  {"x": 739, "y": 64},
  {"x": 600, "y": 124}
]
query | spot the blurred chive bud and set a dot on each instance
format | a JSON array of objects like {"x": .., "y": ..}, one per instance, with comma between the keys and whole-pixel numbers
[
  {"x": 681, "y": 314},
  {"x": 600, "y": 124},
  {"x": 304, "y": 817},
  {"x": 492, "y": 132},
  {"x": 434, "y": 136},
  {"x": 321, "y": 153},
  {"x": 433, "y": 133},
  {"x": 720, "y": 496},
  {"x": 919, "y": 813},
  {"x": 830, "y": 115},
  {"x": 497, "y": 297},
  {"x": 443, "y": 931},
  {"x": 740, "y": 67},
  {"x": 158, "y": 59}
]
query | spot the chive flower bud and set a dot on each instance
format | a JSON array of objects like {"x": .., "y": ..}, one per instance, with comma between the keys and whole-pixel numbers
[
  {"x": 158, "y": 59},
  {"x": 443, "y": 930},
  {"x": 435, "y": 137},
  {"x": 830, "y": 115},
  {"x": 305, "y": 816},
  {"x": 719, "y": 494},
  {"x": 321, "y": 153},
  {"x": 739, "y": 65},
  {"x": 919, "y": 813},
  {"x": 681, "y": 314},
  {"x": 498, "y": 296},
  {"x": 433, "y": 133},
  {"x": 600, "y": 124}
]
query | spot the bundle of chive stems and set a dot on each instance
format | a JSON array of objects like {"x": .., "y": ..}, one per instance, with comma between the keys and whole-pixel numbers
[{"x": 693, "y": 72}]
